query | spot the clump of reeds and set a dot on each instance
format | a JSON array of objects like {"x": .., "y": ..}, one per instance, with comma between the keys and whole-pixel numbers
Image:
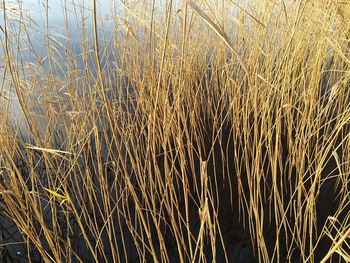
[{"x": 190, "y": 132}]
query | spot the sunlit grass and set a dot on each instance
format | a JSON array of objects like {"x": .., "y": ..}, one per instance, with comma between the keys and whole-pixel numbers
[{"x": 179, "y": 131}]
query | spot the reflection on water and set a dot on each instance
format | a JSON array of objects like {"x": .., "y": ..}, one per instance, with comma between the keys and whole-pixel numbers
[{"x": 54, "y": 40}]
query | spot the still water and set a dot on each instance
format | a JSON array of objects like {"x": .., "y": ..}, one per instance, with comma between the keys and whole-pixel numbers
[{"x": 39, "y": 35}]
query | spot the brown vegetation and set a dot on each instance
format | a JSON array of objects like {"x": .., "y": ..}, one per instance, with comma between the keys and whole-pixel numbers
[{"x": 194, "y": 132}]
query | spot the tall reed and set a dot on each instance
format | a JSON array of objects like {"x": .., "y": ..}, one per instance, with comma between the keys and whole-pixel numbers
[{"x": 177, "y": 131}]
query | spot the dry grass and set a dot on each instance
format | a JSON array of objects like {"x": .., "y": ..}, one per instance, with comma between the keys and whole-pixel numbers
[{"x": 186, "y": 132}]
